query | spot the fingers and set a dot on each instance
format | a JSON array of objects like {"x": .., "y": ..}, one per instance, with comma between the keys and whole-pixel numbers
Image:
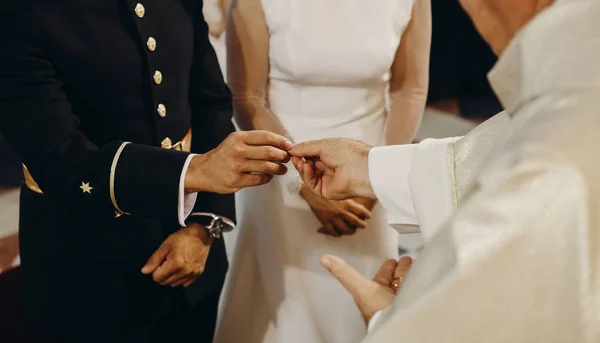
[
  {"x": 190, "y": 282},
  {"x": 354, "y": 221},
  {"x": 328, "y": 230},
  {"x": 269, "y": 168},
  {"x": 165, "y": 271},
  {"x": 306, "y": 171},
  {"x": 349, "y": 277},
  {"x": 386, "y": 272},
  {"x": 297, "y": 162},
  {"x": 403, "y": 267},
  {"x": 266, "y": 153},
  {"x": 260, "y": 137},
  {"x": 156, "y": 259},
  {"x": 308, "y": 149},
  {"x": 251, "y": 180},
  {"x": 174, "y": 274},
  {"x": 358, "y": 209},
  {"x": 186, "y": 280},
  {"x": 342, "y": 227}
]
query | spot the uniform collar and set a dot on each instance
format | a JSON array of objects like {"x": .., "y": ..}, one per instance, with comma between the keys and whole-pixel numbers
[{"x": 557, "y": 51}]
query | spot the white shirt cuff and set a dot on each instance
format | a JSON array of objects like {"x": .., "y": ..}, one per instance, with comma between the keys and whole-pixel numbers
[
  {"x": 185, "y": 202},
  {"x": 389, "y": 168}
]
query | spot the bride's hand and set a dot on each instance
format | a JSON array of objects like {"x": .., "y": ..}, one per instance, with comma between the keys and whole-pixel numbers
[
  {"x": 337, "y": 217},
  {"x": 366, "y": 202}
]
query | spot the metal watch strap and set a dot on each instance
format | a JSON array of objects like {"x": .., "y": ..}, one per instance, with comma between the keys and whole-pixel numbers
[{"x": 217, "y": 224}]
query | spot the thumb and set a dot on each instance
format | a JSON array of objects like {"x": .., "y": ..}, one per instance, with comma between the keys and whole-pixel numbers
[
  {"x": 307, "y": 149},
  {"x": 353, "y": 281},
  {"x": 156, "y": 259}
]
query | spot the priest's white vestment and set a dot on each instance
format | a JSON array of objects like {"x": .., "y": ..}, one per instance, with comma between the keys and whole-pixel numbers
[{"x": 519, "y": 261}]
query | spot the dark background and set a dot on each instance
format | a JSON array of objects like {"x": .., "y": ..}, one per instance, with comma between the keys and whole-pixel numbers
[{"x": 460, "y": 60}]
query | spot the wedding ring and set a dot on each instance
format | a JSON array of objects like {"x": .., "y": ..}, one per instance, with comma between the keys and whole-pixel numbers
[{"x": 396, "y": 283}]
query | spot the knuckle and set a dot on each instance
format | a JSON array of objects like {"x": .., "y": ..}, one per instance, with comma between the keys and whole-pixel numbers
[
  {"x": 265, "y": 136},
  {"x": 275, "y": 154},
  {"x": 238, "y": 149},
  {"x": 268, "y": 167},
  {"x": 179, "y": 264}
]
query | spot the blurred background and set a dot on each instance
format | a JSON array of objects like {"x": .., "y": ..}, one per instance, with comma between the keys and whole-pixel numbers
[{"x": 459, "y": 99}]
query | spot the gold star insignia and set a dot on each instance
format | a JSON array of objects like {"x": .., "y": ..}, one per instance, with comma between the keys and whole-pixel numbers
[{"x": 86, "y": 188}]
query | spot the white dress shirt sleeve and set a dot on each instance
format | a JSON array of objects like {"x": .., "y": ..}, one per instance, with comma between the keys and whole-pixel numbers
[
  {"x": 414, "y": 184},
  {"x": 185, "y": 202}
]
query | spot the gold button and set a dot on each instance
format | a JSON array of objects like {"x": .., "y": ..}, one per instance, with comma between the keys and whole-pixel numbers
[
  {"x": 162, "y": 110},
  {"x": 157, "y": 77},
  {"x": 151, "y": 43},
  {"x": 140, "y": 10},
  {"x": 166, "y": 143}
]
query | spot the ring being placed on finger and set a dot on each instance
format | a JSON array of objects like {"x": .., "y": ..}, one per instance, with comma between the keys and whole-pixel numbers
[{"x": 396, "y": 283}]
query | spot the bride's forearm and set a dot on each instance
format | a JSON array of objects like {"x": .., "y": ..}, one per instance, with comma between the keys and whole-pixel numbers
[
  {"x": 250, "y": 115},
  {"x": 405, "y": 116}
]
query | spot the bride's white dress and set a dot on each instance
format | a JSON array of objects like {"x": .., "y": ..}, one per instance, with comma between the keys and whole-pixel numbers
[{"x": 329, "y": 69}]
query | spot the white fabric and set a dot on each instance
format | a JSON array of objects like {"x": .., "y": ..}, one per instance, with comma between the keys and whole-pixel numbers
[
  {"x": 213, "y": 14},
  {"x": 392, "y": 163},
  {"x": 330, "y": 65},
  {"x": 185, "y": 202},
  {"x": 518, "y": 262},
  {"x": 396, "y": 172}
]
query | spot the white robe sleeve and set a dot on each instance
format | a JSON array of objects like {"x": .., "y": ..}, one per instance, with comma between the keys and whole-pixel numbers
[
  {"x": 500, "y": 271},
  {"x": 420, "y": 185},
  {"x": 393, "y": 170}
]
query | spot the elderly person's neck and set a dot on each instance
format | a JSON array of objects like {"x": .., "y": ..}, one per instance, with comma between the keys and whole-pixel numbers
[{"x": 498, "y": 21}]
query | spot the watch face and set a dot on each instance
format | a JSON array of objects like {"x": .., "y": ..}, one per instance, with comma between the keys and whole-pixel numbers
[
  {"x": 227, "y": 224},
  {"x": 213, "y": 222}
]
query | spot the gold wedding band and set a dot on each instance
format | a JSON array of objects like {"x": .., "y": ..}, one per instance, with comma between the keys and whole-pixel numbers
[{"x": 396, "y": 283}]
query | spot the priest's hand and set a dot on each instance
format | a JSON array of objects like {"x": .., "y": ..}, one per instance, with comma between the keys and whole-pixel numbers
[
  {"x": 181, "y": 258},
  {"x": 334, "y": 168},
  {"x": 244, "y": 159},
  {"x": 374, "y": 295}
]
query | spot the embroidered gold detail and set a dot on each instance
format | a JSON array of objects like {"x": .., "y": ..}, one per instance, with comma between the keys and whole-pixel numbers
[
  {"x": 30, "y": 182},
  {"x": 86, "y": 188},
  {"x": 113, "y": 169}
]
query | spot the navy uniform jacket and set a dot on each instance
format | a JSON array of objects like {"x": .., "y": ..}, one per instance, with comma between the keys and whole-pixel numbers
[{"x": 78, "y": 79}]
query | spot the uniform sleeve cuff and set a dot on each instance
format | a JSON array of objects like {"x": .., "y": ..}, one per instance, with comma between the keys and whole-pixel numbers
[
  {"x": 147, "y": 181},
  {"x": 389, "y": 168},
  {"x": 186, "y": 202}
]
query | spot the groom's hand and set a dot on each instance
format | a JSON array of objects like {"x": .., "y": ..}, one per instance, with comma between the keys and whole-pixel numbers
[
  {"x": 243, "y": 159},
  {"x": 334, "y": 168},
  {"x": 181, "y": 258},
  {"x": 374, "y": 295}
]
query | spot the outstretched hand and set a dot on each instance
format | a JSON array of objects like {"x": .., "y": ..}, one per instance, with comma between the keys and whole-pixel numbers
[
  {"x": 374, "y": 295},
  {"x": 335, "y": 168}
]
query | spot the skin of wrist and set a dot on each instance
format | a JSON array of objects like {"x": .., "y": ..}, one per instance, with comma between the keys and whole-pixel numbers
[
  {"x": 362, "y": 181},
  {"x": 195, "y": 177},
  {"x": 197, "y": 230}
]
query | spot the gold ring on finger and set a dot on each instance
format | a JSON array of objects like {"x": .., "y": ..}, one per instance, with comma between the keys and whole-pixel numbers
[{"x": 396, "y": 283}]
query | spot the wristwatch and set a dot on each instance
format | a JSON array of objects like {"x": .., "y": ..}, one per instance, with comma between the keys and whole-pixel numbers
[{"x": 216, "y": 225}]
